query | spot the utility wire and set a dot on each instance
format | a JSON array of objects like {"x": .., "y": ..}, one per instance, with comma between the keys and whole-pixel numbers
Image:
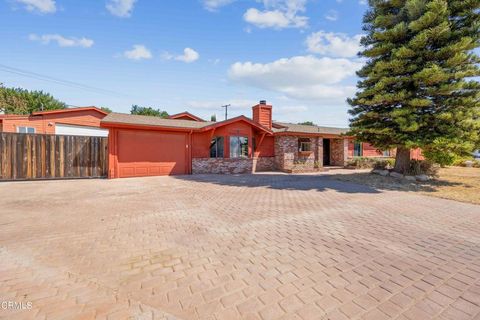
[{"x": 67, "y": 83}]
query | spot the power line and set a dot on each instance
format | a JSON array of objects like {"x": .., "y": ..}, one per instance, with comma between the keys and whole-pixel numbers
[{"x": 66, "y": 83}]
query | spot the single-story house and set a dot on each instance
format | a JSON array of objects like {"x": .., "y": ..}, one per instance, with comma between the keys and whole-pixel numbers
[
  {"x": 187, "y": 144},
  {"x": 84, "y": 121}
]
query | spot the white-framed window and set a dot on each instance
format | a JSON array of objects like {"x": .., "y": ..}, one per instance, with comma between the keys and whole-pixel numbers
[
  {"x": 386, "y": 153},
  {"x": 304, "y": 145},
  {"x": 25, "y": 130},
  {"x": 357, "y": 149}
]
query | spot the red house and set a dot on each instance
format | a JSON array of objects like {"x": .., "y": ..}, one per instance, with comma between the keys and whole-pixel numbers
[
  {"x": 186, "y": 144},
  {"x": 83, "y": 121}
]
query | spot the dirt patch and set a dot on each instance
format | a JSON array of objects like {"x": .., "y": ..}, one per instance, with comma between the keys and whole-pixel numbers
[{"x": 455, "y": 183}]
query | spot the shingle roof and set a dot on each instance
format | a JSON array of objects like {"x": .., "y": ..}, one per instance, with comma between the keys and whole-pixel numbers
[
  {"x": 124, "y": 118},
  {"x": 301, "y": 128}
]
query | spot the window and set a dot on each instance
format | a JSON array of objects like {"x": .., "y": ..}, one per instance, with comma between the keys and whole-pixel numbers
[
  {"x": 357, "y": 149},
  {"x": 25, "y": 130},
  {"x": 304, "y": 145},
  {"x": 216, "y": 147},
  {"x": 238, "y": 147},
  {"x": 386, "y": 153}
]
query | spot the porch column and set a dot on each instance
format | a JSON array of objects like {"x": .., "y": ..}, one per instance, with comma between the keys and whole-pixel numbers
[{"x": 319, "y": 153}]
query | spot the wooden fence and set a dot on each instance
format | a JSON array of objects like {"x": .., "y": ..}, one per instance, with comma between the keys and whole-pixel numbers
[{"x": 39, "y": 156}]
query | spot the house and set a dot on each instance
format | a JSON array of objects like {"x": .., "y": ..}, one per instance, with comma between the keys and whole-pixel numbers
[
  {"x": 186, "y": 144},
  {"x": 83, "y": 121}
]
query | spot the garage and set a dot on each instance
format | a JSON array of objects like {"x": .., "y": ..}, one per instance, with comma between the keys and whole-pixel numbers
[
  {"x": 143, "y": 153},
  {"x": 73, "y": 130}
]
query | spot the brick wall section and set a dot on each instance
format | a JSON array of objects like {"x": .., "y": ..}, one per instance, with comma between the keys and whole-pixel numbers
[
  {"x": 289, "y": 159},
  {"x": 231, "y": 166},
  {"x": 338, "y": 151}
]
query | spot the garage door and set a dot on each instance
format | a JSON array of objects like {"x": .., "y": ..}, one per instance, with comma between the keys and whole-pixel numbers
[
  {"x": 71, "y": 130},
  {"x": 150, "y": 153}
]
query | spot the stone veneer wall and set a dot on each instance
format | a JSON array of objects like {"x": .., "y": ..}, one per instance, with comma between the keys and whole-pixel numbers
[
  {"x": 231, "y": 166},
  {"x": 288, "y": 159},
  {"x": 338, "y": 151}
]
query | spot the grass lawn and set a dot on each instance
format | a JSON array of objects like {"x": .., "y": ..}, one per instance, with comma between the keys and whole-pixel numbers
[{"x": 455, "y": 183}]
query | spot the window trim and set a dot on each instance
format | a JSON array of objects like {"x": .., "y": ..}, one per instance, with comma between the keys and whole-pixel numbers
[
  {"x": 26, "y": 130},
  {"x": 217, "y": 144},
  {"x": 230, "y": 139},
  {"x": 304, "y": 142},
  {"x": 355, "y": 149}
]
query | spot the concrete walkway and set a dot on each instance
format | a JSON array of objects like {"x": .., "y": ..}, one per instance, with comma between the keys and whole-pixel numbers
[{"x": 265, "y": 246}]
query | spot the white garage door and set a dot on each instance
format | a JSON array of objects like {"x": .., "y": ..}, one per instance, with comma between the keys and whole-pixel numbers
[{"x": 71, "y": 130}]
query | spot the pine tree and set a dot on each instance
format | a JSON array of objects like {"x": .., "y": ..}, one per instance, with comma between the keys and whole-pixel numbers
[{"x": 417, "y": 87}]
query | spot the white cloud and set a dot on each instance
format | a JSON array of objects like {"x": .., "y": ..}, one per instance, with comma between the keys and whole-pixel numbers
[
  {"x": 62, "y": 41},
  {"x": 189, "y": 55},
  {"x": 43, "y": 6},
  {"x": 139, "y": 52},
  {"x": 213, "y": 5},
  {"x": 274, "y": 19},
  {"x": 301, "y": 77},
  {"x": 363, "y": 2},
  {"x": 333, "y": 44},
  {"x": 278, "y": 14},
  {"x": 121, "y": 8},
  {"x": 332, "y": 15}
]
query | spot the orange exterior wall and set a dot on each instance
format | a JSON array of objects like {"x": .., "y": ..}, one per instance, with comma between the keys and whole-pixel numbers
[
  {"x": 201, "y": 140},
  {"x": 368, "y": 150},
  {"x": 45, "y": 123}
]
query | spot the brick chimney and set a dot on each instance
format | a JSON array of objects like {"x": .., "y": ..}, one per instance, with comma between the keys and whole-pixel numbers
[{"x": 262, "y": 114}]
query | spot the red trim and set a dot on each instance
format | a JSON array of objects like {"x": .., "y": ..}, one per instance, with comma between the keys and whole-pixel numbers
[
  {"x": 232, "y": 120},
  {"x": 186, "y": 114},
  {"x": 69, "y": 110}
]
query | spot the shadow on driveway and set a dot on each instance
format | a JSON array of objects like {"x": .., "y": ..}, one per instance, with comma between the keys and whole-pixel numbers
[{"x": 281, "y": 182}]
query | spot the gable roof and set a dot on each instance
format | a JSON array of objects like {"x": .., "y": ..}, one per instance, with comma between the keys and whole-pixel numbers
[
  {"x": 283, "y": 127},
  {"x": 148, "y": 121},
  {"x": 139, "y": 120},
  {"x": 187, "y": 115}
]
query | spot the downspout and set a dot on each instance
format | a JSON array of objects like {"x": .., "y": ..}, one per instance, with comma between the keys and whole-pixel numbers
[{"x": 190, "y": 169}]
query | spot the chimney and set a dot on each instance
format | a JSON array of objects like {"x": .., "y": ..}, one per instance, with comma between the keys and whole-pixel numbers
[{"x": 262, "y": 114}]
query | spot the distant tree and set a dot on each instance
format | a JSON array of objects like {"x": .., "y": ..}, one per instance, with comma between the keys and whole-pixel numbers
[
  {"x": 148, "y": 111},
  {"x": 417, "y": 86},
  {"x": 307, "y": 123},
  {"x": 213, "y": 118},
  {"x": 107, "y": 110},
  {"x": 22, "y": 101}
]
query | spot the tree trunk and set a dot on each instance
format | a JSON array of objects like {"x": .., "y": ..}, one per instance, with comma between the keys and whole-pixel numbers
[{"x": 402, "y": 160}]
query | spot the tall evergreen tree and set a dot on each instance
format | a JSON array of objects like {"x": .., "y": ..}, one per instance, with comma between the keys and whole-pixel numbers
[{"x": 417, "y": 87}]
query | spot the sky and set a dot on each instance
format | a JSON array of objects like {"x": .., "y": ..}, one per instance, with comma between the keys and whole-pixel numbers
[{"x": 188, "y": 55}]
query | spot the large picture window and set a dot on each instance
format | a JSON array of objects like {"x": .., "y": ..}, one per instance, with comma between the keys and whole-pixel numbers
[
  {"x": 216, "y": 147},
  {"x": 238, "y": 147}
]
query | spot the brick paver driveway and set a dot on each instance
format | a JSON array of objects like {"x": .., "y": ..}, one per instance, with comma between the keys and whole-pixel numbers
[{"x": 235, "y": 247}]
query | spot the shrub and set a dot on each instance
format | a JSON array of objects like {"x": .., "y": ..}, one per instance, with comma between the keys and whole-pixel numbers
[
  {"x": 369, "y": 163},
  {"x": 418, "y": 167}
]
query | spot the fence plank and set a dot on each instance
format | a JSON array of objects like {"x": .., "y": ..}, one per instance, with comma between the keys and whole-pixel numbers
[{"x": 37, "y": 156}]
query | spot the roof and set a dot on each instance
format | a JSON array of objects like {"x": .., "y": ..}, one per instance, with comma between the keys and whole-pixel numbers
[
  {"x": 69, "y": 110},
  {"x": 139, "y": 120},
  {"x": 283, "y": 127},
  {"x": 186, "y": 114},
  {"x": 150, "y": 121}
]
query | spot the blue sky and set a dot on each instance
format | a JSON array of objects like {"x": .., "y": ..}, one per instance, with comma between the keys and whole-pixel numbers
[{"x": 193, "y": 55}]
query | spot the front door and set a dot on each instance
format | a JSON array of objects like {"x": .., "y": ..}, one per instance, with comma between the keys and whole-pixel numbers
[{"x": 326, "y": 152}]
